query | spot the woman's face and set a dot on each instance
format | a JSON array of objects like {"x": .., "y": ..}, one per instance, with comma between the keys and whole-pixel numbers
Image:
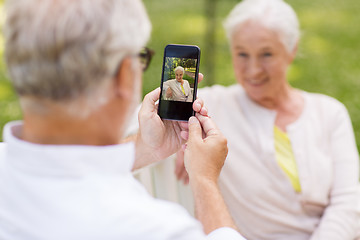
[
  {"x": 260, "y": 61},
  {"x": 179, "y": 75}
]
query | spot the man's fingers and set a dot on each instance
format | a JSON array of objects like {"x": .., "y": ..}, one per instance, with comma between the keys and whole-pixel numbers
[
  {"x": 184, "y": 135},
  {"x": 186, "y": 180},
  {"x": 204, "y": 111},
  {"x": 198, "y": 105},
  {"x": 184, "y": 125},
  {"x": 180, "y": 171},
  {"x": 184, "y": 176},
  {"x": 208, "y": 125},
  {"x": 183, "y": 147},
  {"x": 179, "y": 164},
  {"x": 195, "y": 131},
  {"x": 150, "y": 100},
  {"x": 201, "y": 77}
]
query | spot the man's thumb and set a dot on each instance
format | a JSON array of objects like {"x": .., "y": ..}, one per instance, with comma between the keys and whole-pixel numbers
[{"x": 195, "y": 131}]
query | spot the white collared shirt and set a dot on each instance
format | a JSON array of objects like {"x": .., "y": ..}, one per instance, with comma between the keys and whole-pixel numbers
[{"x": 72, "y": 192}]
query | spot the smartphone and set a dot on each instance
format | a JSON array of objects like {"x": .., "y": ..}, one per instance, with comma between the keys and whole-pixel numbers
[{"x": 179, "y": 82}]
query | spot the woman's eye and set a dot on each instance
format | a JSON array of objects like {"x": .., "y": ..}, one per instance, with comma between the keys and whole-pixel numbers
[
  {"x": 242, "y": 54},
  {"x": 267, "y": 54}
]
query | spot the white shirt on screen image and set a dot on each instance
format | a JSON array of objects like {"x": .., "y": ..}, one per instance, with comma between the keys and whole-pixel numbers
[{"x": 73, "y": 192}]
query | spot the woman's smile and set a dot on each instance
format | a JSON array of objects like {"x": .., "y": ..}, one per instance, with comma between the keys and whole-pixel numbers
[{"x": 257, "y": 82}]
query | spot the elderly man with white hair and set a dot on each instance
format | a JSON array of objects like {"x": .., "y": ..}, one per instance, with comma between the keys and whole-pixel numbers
[
  {"x": 292, "y": 171},
  {"x": 178, "y": 89},
  {"x": 64, "y": 173}
]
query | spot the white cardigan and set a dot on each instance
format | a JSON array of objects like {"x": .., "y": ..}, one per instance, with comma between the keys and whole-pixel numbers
[{"x": 259, "y": 195}]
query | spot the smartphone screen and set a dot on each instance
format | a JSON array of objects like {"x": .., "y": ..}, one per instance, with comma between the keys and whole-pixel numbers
[{"x": 179, "y": 82}]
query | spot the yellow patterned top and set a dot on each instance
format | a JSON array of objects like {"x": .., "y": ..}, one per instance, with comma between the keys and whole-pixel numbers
[{"x": 285, "y": 157}]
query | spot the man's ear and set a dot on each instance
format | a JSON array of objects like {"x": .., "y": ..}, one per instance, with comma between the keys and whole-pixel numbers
[{"x": 124, "y": 79}]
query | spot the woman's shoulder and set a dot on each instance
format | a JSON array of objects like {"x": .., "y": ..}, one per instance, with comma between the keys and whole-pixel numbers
[
  {"x": 2, "y": 152},
  {"x": 324, "y": 103}
]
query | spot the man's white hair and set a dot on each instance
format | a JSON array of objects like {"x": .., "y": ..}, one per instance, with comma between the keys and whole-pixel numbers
[
  {"x": 276, "y": 15},
  {"x": 179, "y": 68},
  {"x": 66, "y": 50}
]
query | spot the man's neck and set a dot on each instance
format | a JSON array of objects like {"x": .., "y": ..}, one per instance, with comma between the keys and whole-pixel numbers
[{"x": 60, "y": 129}]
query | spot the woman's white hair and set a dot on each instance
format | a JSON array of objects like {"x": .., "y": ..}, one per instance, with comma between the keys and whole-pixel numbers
[
  {"x": 276, "y": 15},
  {"x": 63, "y": 51},
  {"x": 179, "y": 68}
]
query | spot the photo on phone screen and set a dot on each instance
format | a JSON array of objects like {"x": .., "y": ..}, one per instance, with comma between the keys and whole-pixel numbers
[{"x": 179, "y": 82}]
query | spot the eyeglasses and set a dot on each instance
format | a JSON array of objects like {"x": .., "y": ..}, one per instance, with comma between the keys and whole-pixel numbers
[{"x": 146, "y": 55}]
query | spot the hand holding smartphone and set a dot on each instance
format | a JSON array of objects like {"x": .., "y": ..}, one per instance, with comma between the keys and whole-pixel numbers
[{"x": 179, "y": 82}]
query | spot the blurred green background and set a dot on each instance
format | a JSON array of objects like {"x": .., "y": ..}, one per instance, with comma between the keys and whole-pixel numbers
[{"x": 327, "y": 62}]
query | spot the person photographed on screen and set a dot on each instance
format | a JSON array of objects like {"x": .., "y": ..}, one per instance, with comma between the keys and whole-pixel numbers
[
  {"x": 65, "y": 171},
  {"x": 178, "y": 89},
  {"x": 292, "y": 170}
]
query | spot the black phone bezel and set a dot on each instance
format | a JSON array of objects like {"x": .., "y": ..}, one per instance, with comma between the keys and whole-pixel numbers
[{"x": 176, "y": 110}]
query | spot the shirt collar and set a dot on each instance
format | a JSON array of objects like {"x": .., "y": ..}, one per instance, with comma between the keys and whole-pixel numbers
[{"x": 66, "y": 159}]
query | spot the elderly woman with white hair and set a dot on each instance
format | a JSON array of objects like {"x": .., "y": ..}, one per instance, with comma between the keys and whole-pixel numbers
[
  {"x": 178, "y": 89},
  {"x": 292, "y": 168}
]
